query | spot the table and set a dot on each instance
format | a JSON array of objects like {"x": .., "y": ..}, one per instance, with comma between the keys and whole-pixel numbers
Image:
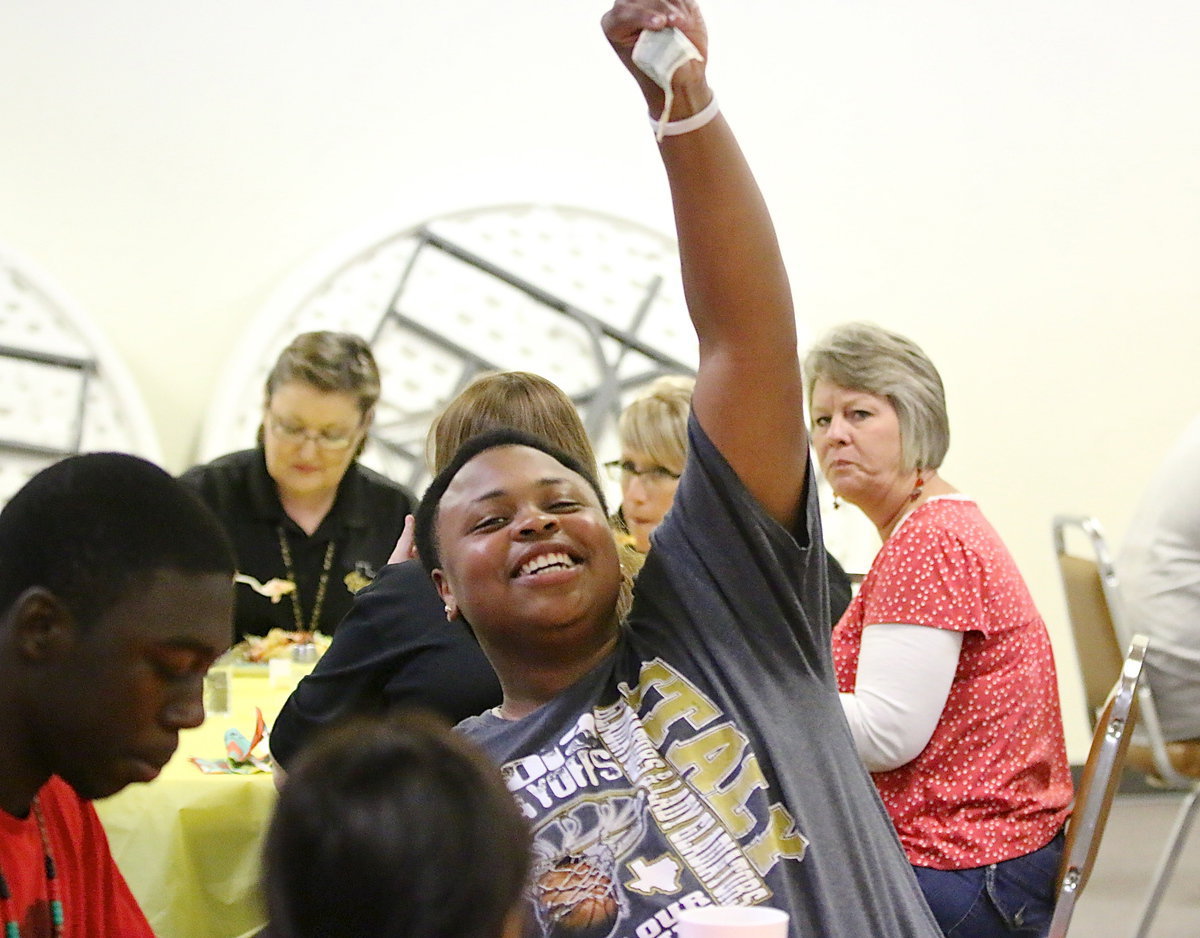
[{"x": 189, "y": 844}]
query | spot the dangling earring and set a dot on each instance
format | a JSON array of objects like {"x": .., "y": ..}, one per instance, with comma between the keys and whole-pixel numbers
[
  {"x": 837, "y": 501},
  {"x": 916, "y": 492}
]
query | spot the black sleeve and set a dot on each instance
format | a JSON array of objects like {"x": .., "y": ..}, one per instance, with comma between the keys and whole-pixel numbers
[
  {"x": 393, "y": 648},
  {"x": 196, "y": 480},
  {"x": 840, "y": 592}
]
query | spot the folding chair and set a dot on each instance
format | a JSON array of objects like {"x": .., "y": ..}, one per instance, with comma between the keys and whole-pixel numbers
[
  {"x": 1099, "y": 783},
  {"x": 1100, "y": 631}
]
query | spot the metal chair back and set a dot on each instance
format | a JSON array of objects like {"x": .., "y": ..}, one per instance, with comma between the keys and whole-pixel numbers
[{"x": 1099, "y": 783}]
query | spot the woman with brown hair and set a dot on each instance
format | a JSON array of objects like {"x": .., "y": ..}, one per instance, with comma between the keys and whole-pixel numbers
[{"x": 309, "y": 523}]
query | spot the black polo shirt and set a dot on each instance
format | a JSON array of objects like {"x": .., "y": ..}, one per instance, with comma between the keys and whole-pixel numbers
[{"x": 366, "y": 519}]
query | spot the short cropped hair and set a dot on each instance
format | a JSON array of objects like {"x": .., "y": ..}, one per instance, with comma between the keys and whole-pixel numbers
[
  {"x": 331, "y": 362},
  {"x": 518, "y": 399},
  {"x": 864, "y": 357},
  {"x": 425, "y": 534},
  {"x": 88, "y": 527},
  {"x": 394, "y": 827},
  {"x": 655, "y": 422}
]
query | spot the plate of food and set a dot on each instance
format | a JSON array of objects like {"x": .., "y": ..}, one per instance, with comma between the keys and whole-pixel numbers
[{"x": 257, "y": 651}]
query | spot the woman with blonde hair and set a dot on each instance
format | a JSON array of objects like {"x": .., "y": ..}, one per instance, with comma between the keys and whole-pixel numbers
[
  {"x": 653, "y": 434},
  {"x": 652, "y": 431},
  {"x": 395, "y": 647}
]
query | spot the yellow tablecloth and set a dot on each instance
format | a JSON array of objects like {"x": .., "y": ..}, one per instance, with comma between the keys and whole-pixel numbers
[{"x": 188, "y": 843}]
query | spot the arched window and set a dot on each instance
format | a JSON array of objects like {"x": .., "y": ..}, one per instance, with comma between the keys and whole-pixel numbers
[{"x": 62, "y": 388}]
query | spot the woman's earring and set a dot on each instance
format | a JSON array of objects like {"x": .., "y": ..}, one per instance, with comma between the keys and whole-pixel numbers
[{"x": 837, "y": 501}]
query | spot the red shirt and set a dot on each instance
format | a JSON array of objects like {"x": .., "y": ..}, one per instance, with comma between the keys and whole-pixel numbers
[
  {"x": 96, "y": 901},
  {"x": 993, "y": 783}
]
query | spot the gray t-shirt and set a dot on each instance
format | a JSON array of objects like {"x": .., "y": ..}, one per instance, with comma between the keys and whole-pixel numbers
[
  {"x": 1159, "y": 570},
  {"x": 708, "y": 760}
]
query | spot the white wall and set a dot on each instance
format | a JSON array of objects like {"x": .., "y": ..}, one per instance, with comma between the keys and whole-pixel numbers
[{"x": 1010, "y": 183}]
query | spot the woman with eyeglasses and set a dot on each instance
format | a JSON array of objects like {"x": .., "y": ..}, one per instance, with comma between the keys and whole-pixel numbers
[
  {"x": 652, "y": 431},
  {"x": 309, "y": 523}
]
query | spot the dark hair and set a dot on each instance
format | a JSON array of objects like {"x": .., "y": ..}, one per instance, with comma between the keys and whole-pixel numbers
[
  {"x": 425, "y": 534},
  {"x": 87, "y": 526},
  {"x": 394, "y": 827}
]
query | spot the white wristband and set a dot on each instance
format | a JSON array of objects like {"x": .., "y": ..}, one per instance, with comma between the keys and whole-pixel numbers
[{"x": 664, "y": 128}]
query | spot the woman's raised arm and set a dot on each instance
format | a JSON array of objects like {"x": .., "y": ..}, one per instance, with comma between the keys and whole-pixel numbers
[{"x": 748, "y": 395}]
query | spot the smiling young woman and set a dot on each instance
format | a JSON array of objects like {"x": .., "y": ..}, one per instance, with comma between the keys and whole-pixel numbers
[
  {"x": 528, "y": 549},
  {"x": 692, "y": 752}
]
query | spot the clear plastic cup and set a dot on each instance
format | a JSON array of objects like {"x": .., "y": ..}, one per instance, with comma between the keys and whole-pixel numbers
[{"x": 218, "y": 691}]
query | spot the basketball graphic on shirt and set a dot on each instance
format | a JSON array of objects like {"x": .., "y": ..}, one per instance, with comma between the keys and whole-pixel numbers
[{"x": 575, "y": 898}]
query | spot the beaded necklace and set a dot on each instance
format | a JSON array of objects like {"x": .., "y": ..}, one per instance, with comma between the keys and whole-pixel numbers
[
  {"x": 297, "y": 614},
  {"x": 12, "y": 928}
]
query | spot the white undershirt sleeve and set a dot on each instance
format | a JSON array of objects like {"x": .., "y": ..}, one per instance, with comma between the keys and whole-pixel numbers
[{"x": 903, "y": 680}]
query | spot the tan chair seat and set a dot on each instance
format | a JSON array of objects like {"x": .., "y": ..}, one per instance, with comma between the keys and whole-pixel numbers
[{"x": 1184, "y": 755}]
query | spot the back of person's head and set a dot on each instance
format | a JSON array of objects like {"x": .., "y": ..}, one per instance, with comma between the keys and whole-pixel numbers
[
  {"x": 517, "y": 399},
  {"x": 89, "y": 528},
  {"x": 395, "y": 827},
  {"x": 329, "y": 361},
  {"x": 654, "y": 423},
  {"x": 425, "y": 527},
  {"x": 862, "y": 356}
]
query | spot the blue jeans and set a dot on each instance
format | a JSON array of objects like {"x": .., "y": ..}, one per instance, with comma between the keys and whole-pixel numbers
[{"x": 1013, "y": 897}]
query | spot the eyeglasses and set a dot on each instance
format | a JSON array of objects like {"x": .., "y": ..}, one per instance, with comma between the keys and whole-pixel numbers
[
  {"x": 296, "y": 434},
  {"x": 622, "y": 470}
]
